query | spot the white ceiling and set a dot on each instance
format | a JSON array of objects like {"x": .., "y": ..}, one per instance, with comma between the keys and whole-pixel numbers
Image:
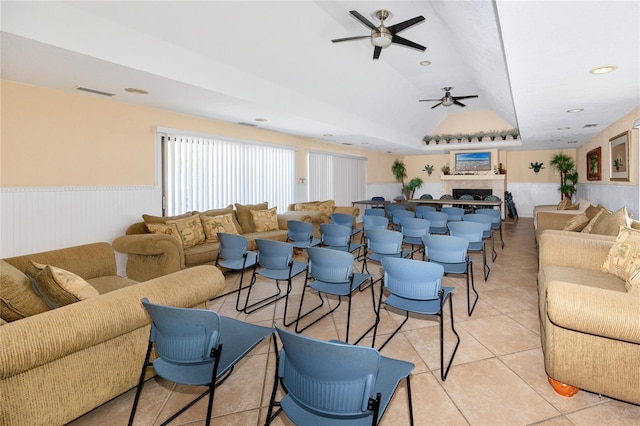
[{"x": 236, "y": 61}]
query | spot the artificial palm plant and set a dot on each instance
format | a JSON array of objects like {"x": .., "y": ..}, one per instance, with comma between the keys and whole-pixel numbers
[
  {"x": 568, "y": 174},
  {"x": 399, "y": 170}
]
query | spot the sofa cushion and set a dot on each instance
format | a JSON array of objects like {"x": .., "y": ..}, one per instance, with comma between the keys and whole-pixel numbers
[
  {"x": 592, "y": 210},
  {"x": 18, "y": 299},
  {"x": 214, "y": 224},
  {"x": 244, "y": 215},
  {"x": 562, "y": 205},
  {"x": 587, "y": 229},
  {"x": 324, "y": 207},
  {"x": 598, "y": 279},
  {"x": 201, "y": 254},
  {"x": 624, "y": 256},
  {"x": 165, "y": 228},
  {"x": 190, "y": 230},
  {"x": 576, "y": 223},
  {"x": 163, "y": 219},
  {"x": 226, "y": 210},
  {"x": 633, "y": 282},
  {"x": 264, "y": 220},
  {"x": 280, "y": 235},
  {"x": 609, "y": 223},
  {"x": 109, "y": 283},
  {"x": 59, "y": 287}
]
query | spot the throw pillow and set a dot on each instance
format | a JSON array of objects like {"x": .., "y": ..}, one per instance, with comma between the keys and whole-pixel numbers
[
  {"x": 576, "y": 223},
  {"x": 633, "y": 282},
  {"x": 59, "y": 287},
  {"x": 190, "y": 230},
  {"x": 214, "y": 224},
  {"x": 592, "y": 211},
  {"x": 587, "y": 229},
  {"x": 164, "y": 228},
  {"x": 18, "y": 298},
  {"x": 624, "y": 255},
  {"x": 325, "y": 207},
  {"x": 163, "y": 219},
  {"x": 265, "y": 220},
  {"x": 226, "y": 210},
  {"x": 575, "y": 206},
  {"x": 244, "y": 215},
  {"x": 610, "y": 223},
  {"x": 564, "y": 204}
]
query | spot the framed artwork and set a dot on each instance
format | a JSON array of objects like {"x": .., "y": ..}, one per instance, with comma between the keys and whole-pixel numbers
[
  {"x": 619, "y": 157},
  {"x": 594, "y": 164}
]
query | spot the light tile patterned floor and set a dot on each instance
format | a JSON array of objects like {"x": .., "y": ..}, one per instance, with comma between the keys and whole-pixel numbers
[{"x": 497, "y": 377}]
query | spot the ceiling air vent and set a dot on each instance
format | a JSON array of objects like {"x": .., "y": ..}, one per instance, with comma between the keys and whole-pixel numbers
[
  {"x": 94, "y": 91},
  {"x": 242, "y": 123},
  {"x": 589, "y": 125}
]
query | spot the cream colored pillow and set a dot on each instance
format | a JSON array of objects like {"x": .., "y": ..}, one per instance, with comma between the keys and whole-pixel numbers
[
  {"x": 214, "y": 224},
  {"x": 190, "y": 230},
  {"x": 576, "y": 223},
  {"x": 244, "y": 215},
  {"x": 633, "y": 282},
  {"x": 265, "y": 220},
  {"x": 164, "y": 228},
  {"x": 624, "y": 255},
  {"x": 587, "y": 229},
  {"x": 564, "y": 204},
  {"x": 325, "y": 207},
  {"x": 59, "y": 287},
  {"x": 610, "y": 223}
]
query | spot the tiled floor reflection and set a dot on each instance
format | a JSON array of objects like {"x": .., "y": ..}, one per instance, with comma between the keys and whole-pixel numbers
[{"x": 497, "y": 377}]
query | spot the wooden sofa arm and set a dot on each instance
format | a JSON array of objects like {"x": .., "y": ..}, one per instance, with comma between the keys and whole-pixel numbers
[
  {"x": 573, "y": 249},
  {"x": 150, "y": 255},
  {"x": 594, "y": 310}
]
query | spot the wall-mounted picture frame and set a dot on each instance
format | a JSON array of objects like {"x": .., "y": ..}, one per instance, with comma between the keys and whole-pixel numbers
[
  {"x": 594, "y": 164},
  {"x": 619, "y": 157}
]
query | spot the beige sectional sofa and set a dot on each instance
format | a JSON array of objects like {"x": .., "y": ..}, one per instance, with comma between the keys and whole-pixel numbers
[
  {"x": 58, "y": 364},
  {"x": 590, "y": 322}
]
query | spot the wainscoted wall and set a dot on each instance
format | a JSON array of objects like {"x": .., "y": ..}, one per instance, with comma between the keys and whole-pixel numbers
[
  {"x": 526, "y": 195},
  {"x": 47, "y": 218},
  {"x": 612, "y": 196}
]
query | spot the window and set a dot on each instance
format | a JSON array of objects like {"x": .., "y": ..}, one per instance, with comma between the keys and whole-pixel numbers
[
  {"x": 202, "y": 172},
  {"x": 336, "y": 177}
]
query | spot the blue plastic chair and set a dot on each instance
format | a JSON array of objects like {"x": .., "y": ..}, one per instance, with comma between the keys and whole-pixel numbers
[
  {"x": 496, "y": 221},
  {"x": 426, "y": 197},
  {"x": 276, "y": 261},
  {"x": 196, "y": 347},
  {"x": 396, "y": 215},
  {"x": 416, "y": 287},
  {"x": 333, "y": 383},
  {"x": 446, "y": 197},
  {"x": 332, "y": 274},
  {"x": 473, "y": 232},
  {"x": 378, "y": 198},
  {"x": 467, "y": 197},
  {"x": 337, "y": 237},
  {"x": 372, "y": 222},
  {"x": 374, "y": 212},
  {"x": 395, "y": 206},
  {"x": 451, "y": 253},
  {"x": 381, "y": 244},
  {"x": 413, "y": 229},
  {"x": 487, "y": 223},
  {"x": 437, "y": 222},
  {"x": 453, "y": 213},
  {"x": 234, "y": 256},
  {"x": 300, "y": 234},
  {"x": 345, "y": 220},
  {"x": 420, "y": 210}
]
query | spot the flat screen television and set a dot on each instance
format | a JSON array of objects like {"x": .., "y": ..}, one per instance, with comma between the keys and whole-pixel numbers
[{"x": 466, "y": 162}]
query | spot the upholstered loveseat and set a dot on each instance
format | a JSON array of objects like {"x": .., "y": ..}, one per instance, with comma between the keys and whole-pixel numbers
[
  {"x": 58, "y": 364},
  {"x": 590, "y": 319},
  {"x": 153, "y": 249},
  {"x": 319, "y": 212}
]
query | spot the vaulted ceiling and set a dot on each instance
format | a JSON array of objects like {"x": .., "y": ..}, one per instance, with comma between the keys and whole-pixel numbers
[{"x": 238, "y": 61}]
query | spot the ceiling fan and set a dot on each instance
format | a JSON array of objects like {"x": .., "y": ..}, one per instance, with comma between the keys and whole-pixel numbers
[
  {"x": 382, "y": 36},
  {"x": 448, "y": 100}
]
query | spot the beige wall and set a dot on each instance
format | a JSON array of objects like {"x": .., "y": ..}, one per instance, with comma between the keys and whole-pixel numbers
[{"x": 54, "y": 138}]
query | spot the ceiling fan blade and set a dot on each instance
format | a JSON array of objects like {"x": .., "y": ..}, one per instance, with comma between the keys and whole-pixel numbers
[
  {"x": 376, "y": 52},
  {"x": 436, "y": 105},
  {"x": 455, "y": 101},
  {"x": 337, "y": 40},
  {"x": 429, "y": 100},
  {"x": 404, "y": 25},
  {"x": 465, "y": 97},
  {"x": 362, "y": 19},
  {"x": 403, "y": 41}
]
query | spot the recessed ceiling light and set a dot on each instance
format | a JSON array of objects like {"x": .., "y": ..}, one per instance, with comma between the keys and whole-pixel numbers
[
  {"x": 425, "y": 63},
  {"x": 603, "y": 69},
  {"x": 575, "y": 110},
  {"x": 327, "y": 135},
  {"x": 260, "y": 119},
  {"x": 136, "y": 91}
]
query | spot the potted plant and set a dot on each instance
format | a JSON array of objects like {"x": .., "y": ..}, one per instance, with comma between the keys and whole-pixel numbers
[
  {"x": 447, "y": 138},
  {"x": 568, "y": 175},
  {"x": 445, "y": 169},
  {"x": 459, "y": 137},
  {"x": 480, "y": 136},
  {"x": 427, "y": 139},
  {"x": 411, "y": 187},
  {"x": 503, "y": 134},
  {"x": 437, "y": 138},
  {"x": 493, "y": 134},
  {"x": 514, "y": 133}
]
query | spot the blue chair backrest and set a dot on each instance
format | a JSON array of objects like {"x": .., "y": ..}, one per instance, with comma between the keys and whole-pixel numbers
[
  {"x": 183, "y": 335},
  {"x": 274, "y": 254},
  {"x": 420, "y": 210},
  {"x": 374, "y": 222},
  {"x": 299, "y": 230},
  {"x": 485, "y": 221},
  {"x": 412, "y": 279},
  {"x": 232, "y": 246},
  {"x": 466, "y": 197},
  {"x": 396, "y": 215},
  {"x": 446, "y": 197},
  {"x": 472, "y": 231},
  {"x": 392, "y": 207},
  {"x": 492, "y": 198},
  {"x": 335, "y": 235},
  {"x": 377, "y": 198},
  {"x": 384, "y": 241},
  {"x": 494, "y": 214},
  {"x": 327, "y": 377},
  {"x": 373, "y": 212},
  {"x": 446, "y": 248},
  {"x": 330, "y": 266},
  {"x": 436, "y": 219},
  {"x": 414, "y": 227},
  {"x": 454, "y": 213},
  {"x": 426, "y": 197},
  {"x": 342, "y": 219}
]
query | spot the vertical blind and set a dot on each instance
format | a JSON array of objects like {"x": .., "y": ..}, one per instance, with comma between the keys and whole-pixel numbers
[
  {"x": 336, "y": 177},
  {"x": 201, "y": 173}
]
